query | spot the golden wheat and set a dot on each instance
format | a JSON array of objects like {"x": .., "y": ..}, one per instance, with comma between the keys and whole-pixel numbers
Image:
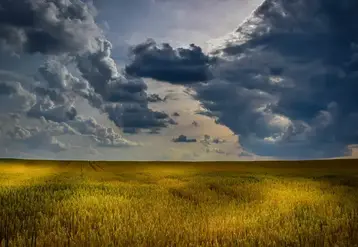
[{"x": 168, "y": 204}]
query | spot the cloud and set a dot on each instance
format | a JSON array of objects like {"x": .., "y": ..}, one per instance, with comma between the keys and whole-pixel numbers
[
  {"x": 195, "y": 124},
  {"x": 285, "y": 81},
  {"x": 286, "y": 89},
  {"x": 25, "y": 96},
  {"x": 48, "y": 27},
  {"x": 23, "y": 140},
  {"x": 210, "y": 144},
  {"x": 59, "y": 28},
  {"x": 87, "y": 127},
  {"x": 50, "y": 111},
  {"x": 124, "y": 97},
  {"x": 103, "y": 136},
  {"x": 153, "y": 98},
  {"x": 183, "y": 138},
  {"x": 207, "y": 140},
  {"x": 183, "y": 65},
  {"x": 45, "y": 137},
  {"x": 14, "y": 98},
  {"x": 77, "y": 63},
  {"x": 58, "y": 77},
  {"x": 61, "y": 86},
  {"x": 35, "y": 139}
]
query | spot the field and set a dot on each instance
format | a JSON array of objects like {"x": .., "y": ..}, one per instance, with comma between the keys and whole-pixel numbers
[{"x": 306, "y": 203}]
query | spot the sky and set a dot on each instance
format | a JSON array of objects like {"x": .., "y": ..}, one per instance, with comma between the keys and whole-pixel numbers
[
  {"x": 176, "y": 22},
  {"x": 178, "y": 80}
]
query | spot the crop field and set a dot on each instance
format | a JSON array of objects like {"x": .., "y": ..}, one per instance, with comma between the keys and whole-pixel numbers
[{"x": 62, "y": 203}]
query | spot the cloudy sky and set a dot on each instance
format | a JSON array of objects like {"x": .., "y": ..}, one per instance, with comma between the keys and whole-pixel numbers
[{"x": 178, "y": 80}]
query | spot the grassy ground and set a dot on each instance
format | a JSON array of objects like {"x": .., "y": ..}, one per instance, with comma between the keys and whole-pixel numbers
[{"x": 313, "y": 203}]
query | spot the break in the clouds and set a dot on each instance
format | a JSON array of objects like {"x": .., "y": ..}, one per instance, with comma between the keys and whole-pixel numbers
[
  {"x": 77, "y": 64},
  {"x": 284, "y": 81}
]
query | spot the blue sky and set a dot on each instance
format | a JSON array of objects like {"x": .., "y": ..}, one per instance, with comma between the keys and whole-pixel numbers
[{"x": 176, "y": 22}]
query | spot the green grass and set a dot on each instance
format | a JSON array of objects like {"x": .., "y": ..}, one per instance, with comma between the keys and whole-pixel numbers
[{"x": 308, "y": 203}]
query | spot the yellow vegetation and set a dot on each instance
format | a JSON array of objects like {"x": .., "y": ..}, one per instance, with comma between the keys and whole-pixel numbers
[{"x": 309, "y": 203}]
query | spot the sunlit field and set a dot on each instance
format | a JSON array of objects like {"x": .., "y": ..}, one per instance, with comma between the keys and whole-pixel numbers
[{"x": 308, "y": 203}]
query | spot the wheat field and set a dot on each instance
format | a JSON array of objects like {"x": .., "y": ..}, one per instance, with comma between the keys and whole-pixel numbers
[{"x": 62, "y": 203}]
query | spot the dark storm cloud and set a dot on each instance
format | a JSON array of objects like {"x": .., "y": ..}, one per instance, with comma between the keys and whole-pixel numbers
[
  {"x": 290, "y": 93},
  {"x": 49, "y": 27},
  {"x": 78, "y": 64},
  {"x": 286, "y": 81},
  {"x": 124, "y": 97},
  {"x": 68, "y": 27},
  {"x": 135, "y": 116},
  {"x": 183, "y": 65}
]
